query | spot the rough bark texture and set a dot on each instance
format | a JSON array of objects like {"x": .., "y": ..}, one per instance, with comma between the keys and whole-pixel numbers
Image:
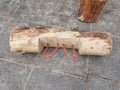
[
  {"x": 25, "y": 40},
  {"x": 90, "y": 10}
]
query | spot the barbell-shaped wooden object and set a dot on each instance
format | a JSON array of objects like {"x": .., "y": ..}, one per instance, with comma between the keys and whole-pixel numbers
[{"x": 26, "y": 40}]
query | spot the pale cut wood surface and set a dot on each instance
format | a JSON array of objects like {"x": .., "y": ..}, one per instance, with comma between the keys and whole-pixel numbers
[{"x": 26, "y": 40}]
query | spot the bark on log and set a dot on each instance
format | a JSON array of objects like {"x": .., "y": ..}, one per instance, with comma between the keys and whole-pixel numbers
[
  {"x": 90, "y": 10},
  {"x": 26, "y": 40}
]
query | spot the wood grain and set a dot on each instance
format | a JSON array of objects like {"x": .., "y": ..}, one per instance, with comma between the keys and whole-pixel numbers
[
  {"x": 26, "y": 40},
  {"x": 90, "y": 10}
]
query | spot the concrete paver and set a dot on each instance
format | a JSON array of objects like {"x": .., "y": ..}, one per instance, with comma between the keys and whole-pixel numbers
[{"x": 33, "y": 72}]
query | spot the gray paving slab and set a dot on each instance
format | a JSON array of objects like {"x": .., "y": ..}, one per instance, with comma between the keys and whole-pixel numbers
[
  {"x": 12, "y": 77},
  {"x": 51, "y": 62},
  {"x": 115, "y": 4},
  {"x": 116, "y": 86},
  {"x": 57, "y": 14},
  {"x": 107, "y": 66},
  {"x": 7, "y": 7},
  {"x": 97, "y": 83},
  {"x": 102, "y": 84},
  {"x": 109, "y": 22},
  {"x": 60, "y": 63},
  {"x": 3, "y": 22},
  {"x": 78, "y": 67},
  {"x": 52, "y": 13},
  {"x": 43, "y": 80}
]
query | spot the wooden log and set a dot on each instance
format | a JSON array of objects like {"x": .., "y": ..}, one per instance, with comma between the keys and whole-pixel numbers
[
  {"x": 90, "y": 10},
  {"x": 26, "y": 40}
]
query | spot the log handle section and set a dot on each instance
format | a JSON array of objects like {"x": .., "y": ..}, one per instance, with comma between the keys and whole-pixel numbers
[
  {"x": 90, "y": 10},
  {"x": 26, "y": 40}
]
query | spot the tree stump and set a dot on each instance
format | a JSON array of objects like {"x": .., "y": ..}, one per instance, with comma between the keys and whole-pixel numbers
[{"x": 90, "y": 10}]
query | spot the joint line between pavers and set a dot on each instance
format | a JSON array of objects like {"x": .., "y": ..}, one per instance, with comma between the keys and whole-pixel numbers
[
  {"x": 9, "y": 19},
  {"x": 68, "y": 74},
  {"x": 91, "y": 27},
  {"x": 28, "y": 78}
]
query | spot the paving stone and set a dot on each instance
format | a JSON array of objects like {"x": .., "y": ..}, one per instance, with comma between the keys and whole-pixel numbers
[
  {"x": 43, "y": 80},
  {"x": 5, "y": 48},
  {"x": 52, "y": 13},
  {"x": 108, "y": 5},
  {"x": 7, "y": 7},
  {"x": 51, "y": 62},
  {"x": 107, "y": 66},
  {"x": 116, "y": 86},
  {"x": 78, "y": 67},
  {"x": 3, "y": 22},
  {"x": 109, "y": 22},
  {"x": 60, "y": 63},
  {"x": 12, "y": 77},
  {"x": 57, "y": 14},
  {"x": 115, "y": 4},
  {"x": 102, "y": 84},
  {"x": 40, "y": 8}
]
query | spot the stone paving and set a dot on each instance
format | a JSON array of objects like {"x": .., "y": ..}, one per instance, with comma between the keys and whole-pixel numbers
[{"x": 33, "y": 72}]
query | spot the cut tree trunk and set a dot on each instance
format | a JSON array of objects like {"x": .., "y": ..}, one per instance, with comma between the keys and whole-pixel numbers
[
  {"x": 26, "y": 40},
  {"x": 90, "y": 10}
]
